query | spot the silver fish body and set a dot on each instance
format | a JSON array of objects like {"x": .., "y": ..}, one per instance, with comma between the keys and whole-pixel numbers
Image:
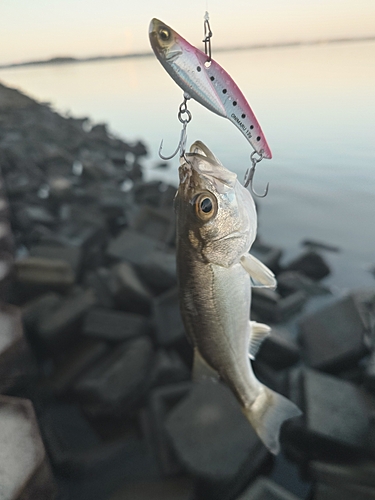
[{"x": 216, "y": 226}]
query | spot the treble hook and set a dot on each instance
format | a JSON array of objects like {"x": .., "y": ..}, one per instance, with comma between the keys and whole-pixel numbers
[
  {"x": 181, "y": 147},
  {"x": 249, "y": 176},
  {"x": 207, "y": 36}
]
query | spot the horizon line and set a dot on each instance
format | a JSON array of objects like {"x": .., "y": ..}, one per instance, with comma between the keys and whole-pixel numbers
[{"x": 75, "y": 60}]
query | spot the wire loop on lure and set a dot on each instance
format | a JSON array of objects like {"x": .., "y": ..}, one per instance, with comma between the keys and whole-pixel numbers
[
  {"x": 181, "y": 147},
  {"x": 249, "y": 176},
  {"x": 207, "y": 36}
]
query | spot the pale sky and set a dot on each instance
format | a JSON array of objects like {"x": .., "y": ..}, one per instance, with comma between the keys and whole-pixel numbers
[{"x": 40, "y": 29}]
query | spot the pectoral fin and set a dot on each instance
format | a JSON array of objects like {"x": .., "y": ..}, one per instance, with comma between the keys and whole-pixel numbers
[
  {"x": 260, "y": 275},
  {"x": 258, "y": 332},
  {"x": 201, "y": 369}
]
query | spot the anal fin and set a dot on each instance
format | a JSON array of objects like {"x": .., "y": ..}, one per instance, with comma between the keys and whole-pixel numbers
[{"x": 258, "y": 332}]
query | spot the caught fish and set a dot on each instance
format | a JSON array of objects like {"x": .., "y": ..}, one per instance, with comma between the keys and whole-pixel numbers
[
  {"x": 216, "y": 226},
  {"x": 206, "y": 82}
]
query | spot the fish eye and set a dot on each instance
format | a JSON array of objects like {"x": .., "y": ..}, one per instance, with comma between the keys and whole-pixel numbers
[
  {"x": 164, "y": 34},
  {"x": 205, "y": 206}
]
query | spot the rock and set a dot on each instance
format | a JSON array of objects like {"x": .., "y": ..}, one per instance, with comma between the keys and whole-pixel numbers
[
  {"x": 331, "y": 492},
  {"x": 6, "y": 238},
  {"x": 15, "y": 357},
  {"x": 268, "y": 305},
  {"x": 71, "y": 255},
  {"x": 156, "y": 223},
  {"x": 265, "y": 489},
  {"x": 57, "y": 326},
  {"x": 169, "y": 369},
  {"x": 114, "y": 325},
  {"x": 333, "y": 338},
  {"x": 161, "y": 401},
  {"x": 211, "y": 436},
  {"x": 24, "y": 473},
  {"x": 99, "y": 281},
  {"x": 278, "y": 350},
  {"x": 270, "y": 256},
  {"x": 179, "y": 488},
  {"x": 156, "y": 267},
  {"x": 337, "y": 418},
  {"x": 6, "y": 274},
  {"x": 293, "y": 281},
  {"x": 318, "y": 245},
  {"x": 37, "y": 274},
  {"x": 369, "y": 373},
  {"x": 169, "y": 326},
  {"x": 359, "y": 473},
  {"x": 128, "y": 290},
  {"x": 72, "y": 362},
  {"x": 35, "y": 309},
  {"x": 311, "y": 264},
  {"x": 117, "y": 383},
  {"x": 155, "y": 193}
]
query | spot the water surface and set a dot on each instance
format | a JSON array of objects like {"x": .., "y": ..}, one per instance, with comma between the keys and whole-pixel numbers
[{"x": 316, "y": 106}]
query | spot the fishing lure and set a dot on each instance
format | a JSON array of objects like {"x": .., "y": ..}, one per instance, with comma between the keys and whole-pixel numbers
[{"x": 204, "y": 80}]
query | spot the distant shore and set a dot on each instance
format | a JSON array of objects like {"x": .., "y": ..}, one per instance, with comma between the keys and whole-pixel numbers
[{"x": 75, "y": 60}]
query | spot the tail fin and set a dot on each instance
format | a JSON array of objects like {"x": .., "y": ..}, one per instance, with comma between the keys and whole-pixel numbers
[{"x": 267, "y": 414}]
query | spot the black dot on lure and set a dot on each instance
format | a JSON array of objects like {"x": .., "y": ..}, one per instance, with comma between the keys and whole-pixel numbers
[
  {"x": 212, "y": 78},
  {"x": 258, "y": 138},
  {"x": 234, "y": 103},
  {"x": 243, "y": 115},
  {"x": 251, "y": 126},
  {"x": 206, "y": 205},
  {"x": 224, "y": 91},
  {"x": 199, "y": 68}
]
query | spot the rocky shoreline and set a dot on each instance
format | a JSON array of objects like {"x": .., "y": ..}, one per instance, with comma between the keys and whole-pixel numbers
[{"x": 96, "y": 395}]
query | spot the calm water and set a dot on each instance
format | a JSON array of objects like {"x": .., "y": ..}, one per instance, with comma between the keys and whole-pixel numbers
[{"x": 316, "y": 106}]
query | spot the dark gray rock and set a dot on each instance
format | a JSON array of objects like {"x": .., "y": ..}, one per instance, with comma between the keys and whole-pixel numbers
[
  {"x": 70, "y": 255},
  {"x": 99, "y": 281},
  {"x": 156, "y": 267},
  {"x": 157, "y": 223},
  {"x": 318, "y": 245},
  {"x": 167, "y": 316},
  {"x": 161, "y": 402},
  {"x": 128, "y": 291},
  {"x": 24, "y": 473},
  {"x": 118, "y": 382},
  {"x": 333, "y": 338},
  {"x": 71, "y": 363},
  {"x": 15, "y": 357},
  {"x": 336, "y": 492},
  {"x": 360, "y": 473},
  {"x": 270, "y": 256},
  {"x": 169, "y": 368},
  {"x": 279, "y": 350},
  {"x": 155, "y": 193},
  {"x": 38, "y": 274},
  {"x": 268, "y": 305},
  {"x": 6, "y": 238},
  {"x": 265, "y": 489},
  {"x": 179, "y": 488},
  {"x": 114, "y": 325},
  {"x": 210, "y": 434},
  {"x": 311, "y": 264},
  {"x": 292, "y": 281},
  {"x": 57, "y": 326},
  {"x": 337, "y": 417},
  {"x": 35, "y": 309}
]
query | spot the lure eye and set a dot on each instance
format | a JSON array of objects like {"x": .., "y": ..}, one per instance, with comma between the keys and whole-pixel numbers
[
  {"x": 164, "y": 34},
  {"x": 205, "y": 206}
]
